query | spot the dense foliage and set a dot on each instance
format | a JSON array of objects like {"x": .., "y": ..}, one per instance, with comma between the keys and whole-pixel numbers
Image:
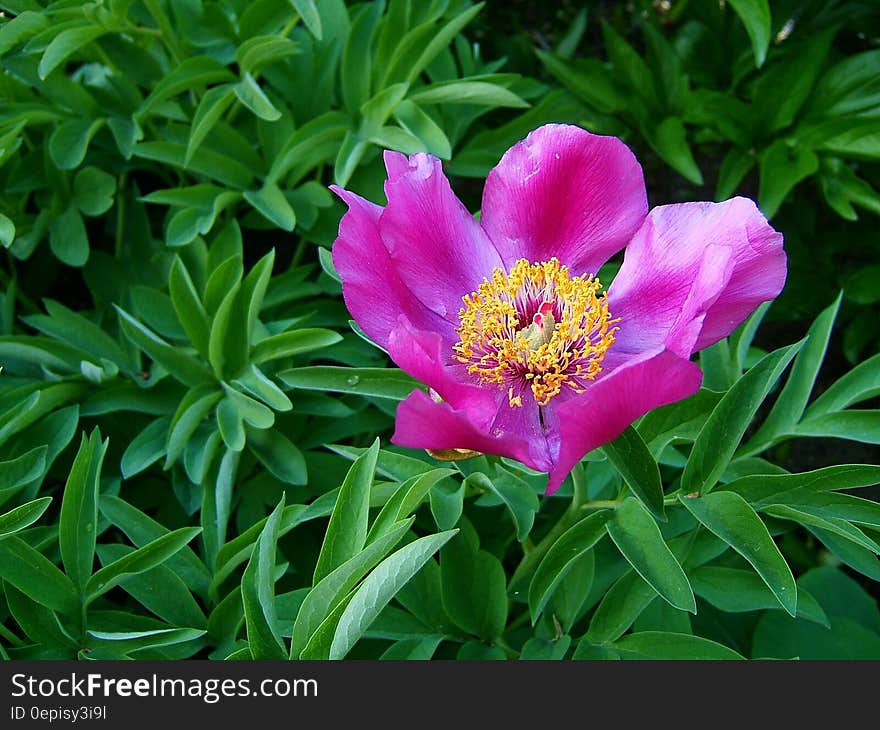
[{"x": 194, "y": 453}]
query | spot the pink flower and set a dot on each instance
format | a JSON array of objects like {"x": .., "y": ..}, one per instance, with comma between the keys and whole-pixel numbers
[{"x": 504, "y": 319}]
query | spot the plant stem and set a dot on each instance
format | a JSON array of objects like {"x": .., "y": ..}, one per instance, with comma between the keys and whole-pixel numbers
[
  {"x": 578, "y": 509},
  {"x": 574, "y": 513}
]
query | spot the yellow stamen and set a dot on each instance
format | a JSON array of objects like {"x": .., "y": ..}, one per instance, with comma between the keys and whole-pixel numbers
[{"x": 535, "y": 327}]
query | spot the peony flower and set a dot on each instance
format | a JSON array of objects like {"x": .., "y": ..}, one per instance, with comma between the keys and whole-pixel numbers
[{"x": 504, "y": 318}]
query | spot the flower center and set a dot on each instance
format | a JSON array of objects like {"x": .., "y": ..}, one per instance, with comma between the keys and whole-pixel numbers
[{"x": 536, "y": 327}]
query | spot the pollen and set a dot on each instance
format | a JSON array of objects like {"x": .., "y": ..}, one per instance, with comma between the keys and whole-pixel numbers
[{"x": 535, "y": 328}]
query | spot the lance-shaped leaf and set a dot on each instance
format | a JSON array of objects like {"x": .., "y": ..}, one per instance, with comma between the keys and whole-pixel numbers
[
  {"x": 729, "y": 516},
  {"x": 638, "y": 538}
]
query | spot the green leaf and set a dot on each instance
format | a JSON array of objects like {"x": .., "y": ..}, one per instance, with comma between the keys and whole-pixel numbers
[
  {"x": 447, "y": 503},
  {"x": 93, "y": 190},
  {"x": 294, "y": 342},
  {"x": 259, "y": 51},
  {"x": 638, "y": 538},
  {"x": 279, "y": 455},
  {"x": 330, "y": 591},
  {"x": 536, "y": 649},
  {"x": 192, "y": 410},
  {"x": 254, "y": 98},
  {"x": 463, "y": 91},
  {"x": 68, "y": 238},
  {"x": 308, "y": 11},
  {"x": 782, "y": 166},
  {"x": 259, "y": 386},
  {"x": 859, "y": 384},
  {"x": 7, "y": 231},
  {"x": 141, "y": 530},
  {"x": 728, "y": 421},
  {"x": 796, "y": 73},
  {"x": 145, "y": 449},
  {"x": 764, "y": 489},
  {"x": 630, "y": 456},
  {"x": 65, "y": 324},
  {"x": 271, "y": 203},
  {"x": 188, "y": 306},
  {"x": 790, "y": 405},
  {"x": 630, "y": 65},
  {"x": 149, "y": 556},
  {"x": 160, "y": 590},
  {"x": 569, "y": 600},
  {"x": 412, "y": 649},
  {"x": 347, "y": 531},
  {"x": 735, "y": 166},
  {"x": 356, "y": 64},
  {"x": 181, "y": 365},
  {"x": 734, "y": 591},
  {"x": 70, "y": 140},
  {"x": 16, "y": 473},
  {"x": 65, "y": 44},
  {"x": 212, "y": 106},
  {"x": 258, "y": 593},
  {"x": 474, "y": 587},
  {"x": 755, "y": 15},
  {"x": 230, "y": 425},
  {"x": 36, "y": 576},
  {"x": 251, "y": 411},
  {"x": 519, "y": 498},
  {"x": 855, "y": 425},
  {"x": 23, "y": 516},
  {"x": 23, "y": 26},
  {"x": 379, "y": 588},
  {"x": 415, "y": 121},
  {"x": 192, "y": 73},
  {"x": 830, "y": 524},
  {"x": 406, "y": 500},
  {"x": 729, "y": 516},
  {"x": 349, "y": 156},
  {"x": 244, "y": 315},
  {"x": 220, "y": 331},
  {"x": 379, "y": 382},
  {"x": 621, "y": 605},
  {"x": 78, "y": 522},
  {"x": 668, "y": 645},
  {"x": 562, "y": 557},
  {"x": 415, "y": 51},
  {"x": 670, "y": 140}
]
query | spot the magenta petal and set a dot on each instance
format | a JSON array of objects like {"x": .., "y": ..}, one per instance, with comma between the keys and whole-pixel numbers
[
  {"x": 692, "y": 273},
  {"x": 423, "y": 424},
  {"x": 372, "y": 289},
  {"x": 439, "y": 250},
  {"x": 478, "y": 414},
  {"x": 612, "y": 403},
  {"x": 566, "y": 193},
  {"x": 424, "y": 356}
]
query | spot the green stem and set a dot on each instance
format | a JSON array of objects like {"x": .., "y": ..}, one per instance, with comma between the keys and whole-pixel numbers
[
  {"x": 572, "y": 515},
  {"x": 10, "y": 637},
  {"x": 120, "y": 216},
  {"x": 166, "y": 31},
  {"x": 578, "y": 509},
  {"x": 506, "y": 648}
]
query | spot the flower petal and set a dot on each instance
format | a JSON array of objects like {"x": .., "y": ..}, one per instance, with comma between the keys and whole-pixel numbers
[
  {"x": 477, "y": 413},
  {"x": 566, "y": 193},
  {"x": 439, "y": 250},
  {"x": 612, "y": 403},
  {"x": 371, "y": 287},
  {"x": 692, "y": 273},
  {"x": 423, "y": 424},
  {"x": 424, "y": 356}
]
